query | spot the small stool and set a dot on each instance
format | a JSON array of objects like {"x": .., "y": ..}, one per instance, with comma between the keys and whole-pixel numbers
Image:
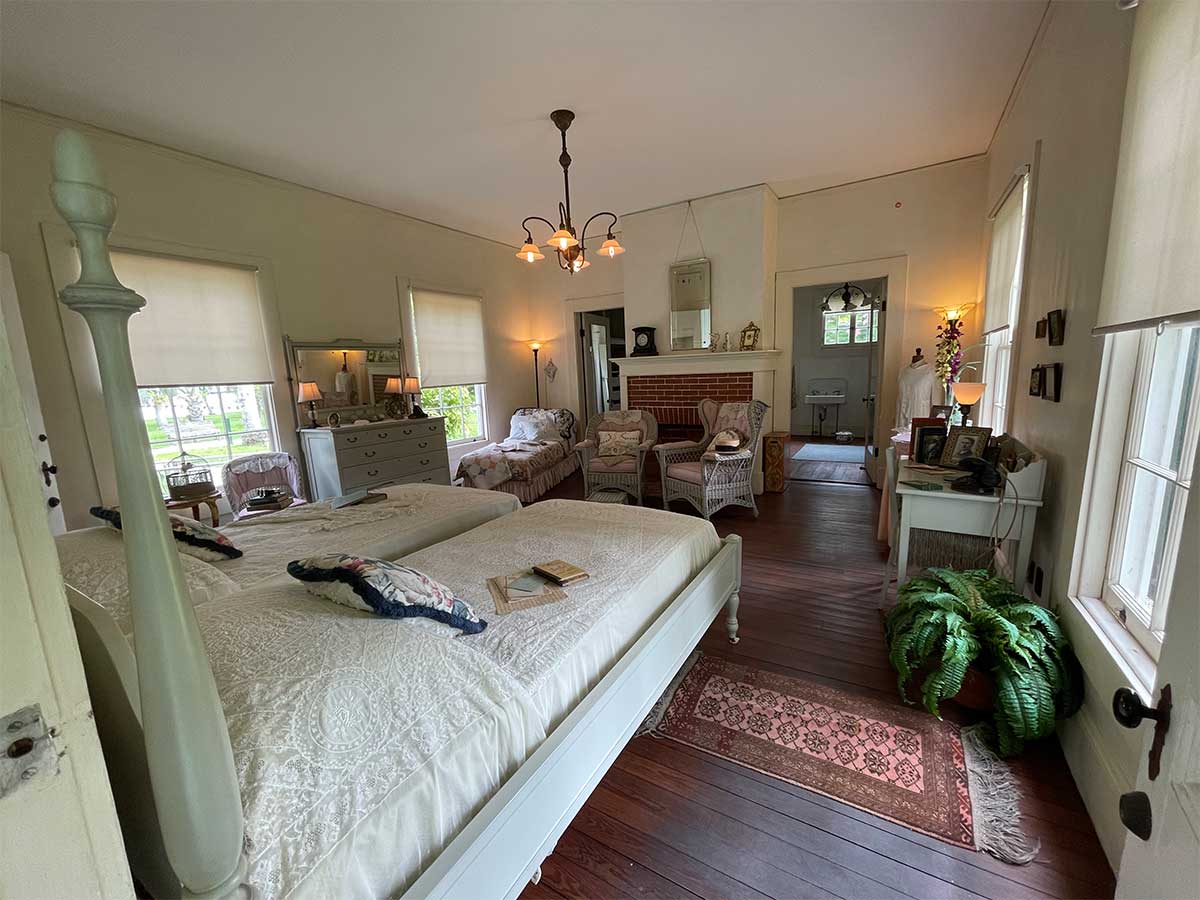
[{"x": 608, "y": 495}]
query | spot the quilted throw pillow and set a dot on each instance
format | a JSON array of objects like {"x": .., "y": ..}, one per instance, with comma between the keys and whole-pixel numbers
[
  {"x": 384, "y": 588},
  {"x": 192, "y": 537},
  {"x": 618, "y": 443}
]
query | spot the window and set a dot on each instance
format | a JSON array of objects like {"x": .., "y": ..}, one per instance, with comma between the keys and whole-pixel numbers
[
  {"x": 846, "y": 328},
  {"x": 1155, "y": 468},
  {"x": 213, "y": 422},
  {"x": 462, "y": 405},
  {"x": 1002, "y": 299}
]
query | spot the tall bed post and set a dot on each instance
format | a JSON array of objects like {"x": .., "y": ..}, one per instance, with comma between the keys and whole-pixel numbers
[{"x": 187, "y": 744}]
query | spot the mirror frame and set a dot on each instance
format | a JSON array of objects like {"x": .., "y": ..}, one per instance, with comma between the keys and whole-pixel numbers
[{"x": 294, "y": 346}]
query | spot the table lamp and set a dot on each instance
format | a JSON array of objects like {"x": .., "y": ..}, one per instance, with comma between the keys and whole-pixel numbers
[
  {"x": 412, "y": 389},
  {"x": 310, "y": 394},
  {"x": 394, "y": 405},
  {"x": 967, "y": 394}
]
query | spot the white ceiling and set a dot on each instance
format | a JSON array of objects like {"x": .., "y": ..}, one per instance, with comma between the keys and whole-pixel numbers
[{"x": 440, "y": 110}]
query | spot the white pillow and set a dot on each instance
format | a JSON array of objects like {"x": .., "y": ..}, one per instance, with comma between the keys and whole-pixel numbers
[
  {"x": 536, "y": 426},
  {"x": 522, "y": 428}
]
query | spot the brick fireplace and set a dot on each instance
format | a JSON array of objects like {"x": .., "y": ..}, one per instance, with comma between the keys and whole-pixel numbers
[{"x": 670, "y": 386}]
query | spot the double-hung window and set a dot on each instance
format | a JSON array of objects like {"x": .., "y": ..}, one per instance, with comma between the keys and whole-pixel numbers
[
  {"x": 845, "y": 329},
  {"x": 1002, "y": 299},
  {"x": 451, "y": 361},
  {"x": 1154, "y": 480},
  {"x": 200, "y": 357}
]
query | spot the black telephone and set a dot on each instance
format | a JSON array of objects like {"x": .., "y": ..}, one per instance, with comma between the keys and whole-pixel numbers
[{"x": 984, "y": 477}]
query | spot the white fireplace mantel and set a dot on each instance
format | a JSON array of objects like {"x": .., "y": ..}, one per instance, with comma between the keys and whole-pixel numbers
[{"x": 699, "y": 363}]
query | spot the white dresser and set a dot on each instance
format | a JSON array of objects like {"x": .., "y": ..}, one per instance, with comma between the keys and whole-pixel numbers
[{"x": 396, "y": 451}]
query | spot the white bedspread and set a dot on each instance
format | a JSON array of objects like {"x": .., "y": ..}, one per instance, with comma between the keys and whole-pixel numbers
[
  {"x": 364, "y": 745},
  {"x": 413, "y": 516}
]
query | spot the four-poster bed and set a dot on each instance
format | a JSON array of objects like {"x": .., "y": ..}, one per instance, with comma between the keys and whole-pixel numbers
[{"x": 567, "y": 684}]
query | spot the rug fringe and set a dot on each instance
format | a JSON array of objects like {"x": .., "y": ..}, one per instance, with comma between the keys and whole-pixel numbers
[
  {"x": 658, "y": 710},
  {"x": 995, "y": 802}
]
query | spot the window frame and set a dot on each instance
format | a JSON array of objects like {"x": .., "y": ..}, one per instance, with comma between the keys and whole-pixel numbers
[
  {"x": 1125, "y": 608},
  {"x": 178, "y": 442},
  {"x": 873, "y": 327},
  {"x": 480, "y": 406}
]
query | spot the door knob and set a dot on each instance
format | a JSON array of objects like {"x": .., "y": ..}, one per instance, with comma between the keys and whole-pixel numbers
[
  {"x": 1135, "y": 813},
  {"x": 1130, "y": 711}
]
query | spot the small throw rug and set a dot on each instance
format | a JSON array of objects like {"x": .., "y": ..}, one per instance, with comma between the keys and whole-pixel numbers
[
  {"x": 898, "y": 763},
  {"x": 843, "y": 453}
]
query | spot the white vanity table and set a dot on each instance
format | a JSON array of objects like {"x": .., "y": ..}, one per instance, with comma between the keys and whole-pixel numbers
[
  {"x": 952, "y": 511},
  {"x": 393, "y": 451}
]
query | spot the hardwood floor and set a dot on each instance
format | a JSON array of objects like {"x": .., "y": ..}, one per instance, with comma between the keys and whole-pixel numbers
[
  {"x": 668, "y": 821},
  {"x": 822, "y": 470}
]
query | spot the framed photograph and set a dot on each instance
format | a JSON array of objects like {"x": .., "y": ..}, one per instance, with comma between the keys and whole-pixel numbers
[
  {"x": 928, "y": 443},
  {"x": 964, "y": 441},
  {"x": 1039, "y": 329},
  {"x": 926, "y": 422},
  {"x": 1056, "y": 326},
  {"x": 1037, "y": 382},
  {"x": 941, "y": 412},
  {"x": 1052, "y": 382}
]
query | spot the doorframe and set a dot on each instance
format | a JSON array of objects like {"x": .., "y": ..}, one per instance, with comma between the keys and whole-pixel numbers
[
  {"x": 895, "y": 270},
  {"x": 595, "y": 303}
]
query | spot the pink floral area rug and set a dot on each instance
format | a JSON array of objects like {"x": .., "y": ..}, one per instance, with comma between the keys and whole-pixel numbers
[{"x": 892, "y": 761}]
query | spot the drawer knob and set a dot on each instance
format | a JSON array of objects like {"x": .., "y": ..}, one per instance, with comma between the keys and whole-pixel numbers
[
  {"x": 352, "y": 440},
  {"x": 423, "y": 444},
  {"x": 407, "y": 431},
  {"x": 368, "y": 453},
  {"x": 372, "y": 472},
  {"x": 424, "y": 462},
  {"x": 381, "y": 435}
]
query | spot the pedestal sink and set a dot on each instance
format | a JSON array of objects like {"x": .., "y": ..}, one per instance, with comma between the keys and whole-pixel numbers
[{"x": 820, "y": 403}]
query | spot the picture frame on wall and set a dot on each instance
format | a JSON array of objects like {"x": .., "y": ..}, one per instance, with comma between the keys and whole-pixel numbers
[
  {"x": 964, "y": 441},
  {"x": 1037, "y": 382},
  {"x": 1052, "y": 382},
  {"x": 1039, "y": 329},
  {"x": 1056, "y": 326},
  {"x": 927, "y": 444}
]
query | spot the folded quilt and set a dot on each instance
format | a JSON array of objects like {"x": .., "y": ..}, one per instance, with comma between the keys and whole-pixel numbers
[{"x": 485, "y": 468}]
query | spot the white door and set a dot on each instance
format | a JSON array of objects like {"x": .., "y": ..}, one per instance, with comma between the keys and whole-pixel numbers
[
  {"x": 1167, "y": 865},
  {"x": 871, "y": 451},
  {"x": 594, "y": 340},
  {"x": 59, "y": 835},
  {"x": 23, "y": 364}
]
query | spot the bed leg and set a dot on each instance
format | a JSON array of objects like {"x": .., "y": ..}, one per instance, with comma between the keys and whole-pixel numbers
[{"x": 731, "y": 622}]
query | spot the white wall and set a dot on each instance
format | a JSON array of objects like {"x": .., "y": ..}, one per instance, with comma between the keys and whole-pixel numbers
[
  {"x": 333, "y": 261},
  {"x": 1071, "y": 99}
]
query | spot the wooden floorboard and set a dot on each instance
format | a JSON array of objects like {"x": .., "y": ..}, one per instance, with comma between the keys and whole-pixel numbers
[{"x": 672, "y": 821}]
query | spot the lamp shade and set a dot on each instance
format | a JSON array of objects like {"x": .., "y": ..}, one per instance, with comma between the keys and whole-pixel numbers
[
  {"x": 309, "y": 392},
  {"x": 580, "y": 262},
  {"x": 562, "y": 240},
  {"x": 968, "y": 392},
  {"x": 611, "y": 248},
  {"x": 411, "y": 385},
  {"x": 392, "y": 386},
  {"x": 529, "y": 252}
]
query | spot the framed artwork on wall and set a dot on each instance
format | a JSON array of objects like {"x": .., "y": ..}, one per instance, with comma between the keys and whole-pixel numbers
[
  {"x": 1056, "y": 325},
  {"x": 1037, "y": 382}
]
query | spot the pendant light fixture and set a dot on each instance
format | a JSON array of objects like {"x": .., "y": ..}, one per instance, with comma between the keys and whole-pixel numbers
[{"x": 569, "y": 247}]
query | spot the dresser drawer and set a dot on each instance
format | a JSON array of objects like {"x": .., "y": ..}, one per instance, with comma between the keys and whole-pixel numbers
[
  {"x": 437, "y": 476},
  {"x": 391, "y": 470},
  {"x": 379, "y": 452},
  {"x": 388, "y": 433}
]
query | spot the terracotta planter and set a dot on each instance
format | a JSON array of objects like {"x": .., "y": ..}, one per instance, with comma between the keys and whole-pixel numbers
[{"x": 977, "y": 691}]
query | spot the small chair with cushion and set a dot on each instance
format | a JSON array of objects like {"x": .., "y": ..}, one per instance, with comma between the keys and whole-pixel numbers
[
  {"x": 613, "y": 456},
  {"x": 694, "y": 471},
  {"x": 246, "y": 474}
]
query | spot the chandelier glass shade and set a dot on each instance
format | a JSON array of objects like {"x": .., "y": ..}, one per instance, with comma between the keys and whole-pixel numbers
[{"x": 567, "y": 244}]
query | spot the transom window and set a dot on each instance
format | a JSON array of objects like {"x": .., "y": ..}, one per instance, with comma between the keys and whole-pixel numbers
[
  {"x": 847, "y": 328},
  {"x": 1156, "y": 465},
  {"x": 213, "y": 422},
  {"x": 462, "y": 405}
]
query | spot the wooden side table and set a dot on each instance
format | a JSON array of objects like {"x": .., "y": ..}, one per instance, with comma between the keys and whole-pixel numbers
[
  {"x": 194, "y": 504},
  {"x": 774, "y": 461}
]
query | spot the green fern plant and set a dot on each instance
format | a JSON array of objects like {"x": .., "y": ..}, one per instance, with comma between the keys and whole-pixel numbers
[{"x": 945, "y": 620}]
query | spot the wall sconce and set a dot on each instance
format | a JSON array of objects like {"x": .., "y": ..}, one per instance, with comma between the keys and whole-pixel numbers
[{"x": 954, "y": 313}]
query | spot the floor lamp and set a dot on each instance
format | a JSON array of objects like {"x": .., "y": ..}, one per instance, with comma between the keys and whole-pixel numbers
[{"x": 537, "y": 385}]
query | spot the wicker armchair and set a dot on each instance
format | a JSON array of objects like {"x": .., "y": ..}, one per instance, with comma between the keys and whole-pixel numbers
[
  {"x": 621, "y": 473},
  {"x": 710, "y": 481}
]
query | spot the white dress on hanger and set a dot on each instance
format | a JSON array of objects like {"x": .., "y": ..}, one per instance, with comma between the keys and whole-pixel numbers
[{"x": 916, "y": 393}]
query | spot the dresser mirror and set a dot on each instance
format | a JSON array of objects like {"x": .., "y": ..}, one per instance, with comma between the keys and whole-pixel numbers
[
  {"x": 350, "y": 378},
  {"x": 691, "y": 304}
]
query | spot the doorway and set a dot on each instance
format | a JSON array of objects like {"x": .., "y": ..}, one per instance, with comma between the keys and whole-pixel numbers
[
  {"x": 837, "y": 341},
  {"x": 601, "y": 340}
]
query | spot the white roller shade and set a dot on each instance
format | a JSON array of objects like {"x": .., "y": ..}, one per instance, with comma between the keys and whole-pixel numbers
[
  {"x": 1152, "y": 271},
  {"x": 1001, "y": 297},
  {"x": 202, "y": 322},
  {"x": 449, "y": 333}
]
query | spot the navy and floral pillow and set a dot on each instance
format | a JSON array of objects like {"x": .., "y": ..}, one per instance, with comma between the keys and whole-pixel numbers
[
  {"x": 194, "y": 538},
  {"x": 384, "y": 588}
]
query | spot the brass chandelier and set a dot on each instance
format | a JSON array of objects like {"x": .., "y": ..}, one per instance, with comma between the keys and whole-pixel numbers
[{"x": 572, "y": 254}]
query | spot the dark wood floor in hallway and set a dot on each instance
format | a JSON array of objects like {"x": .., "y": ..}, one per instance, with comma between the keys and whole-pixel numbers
[{"x": 668, "y": 821}]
